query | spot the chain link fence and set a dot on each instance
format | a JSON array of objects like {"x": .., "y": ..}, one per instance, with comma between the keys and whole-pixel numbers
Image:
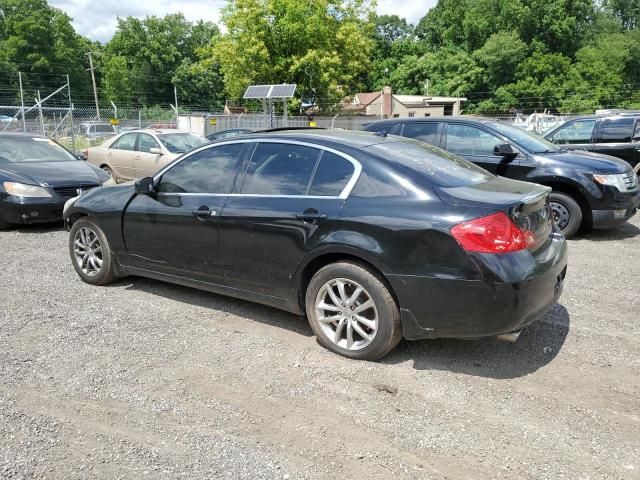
[{"x": 81, "y": 127}]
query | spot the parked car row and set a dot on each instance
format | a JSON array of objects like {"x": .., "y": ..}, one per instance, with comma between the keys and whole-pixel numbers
[{"x": 416, "y": 228}]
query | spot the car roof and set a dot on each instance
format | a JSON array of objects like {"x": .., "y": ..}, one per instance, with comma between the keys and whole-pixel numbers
[
  {"x": 157, "y": 131},
  {"x": 466, "y": 118},
  {"x": 347, "y": 138},
  {"x": 21, "y": 134}
]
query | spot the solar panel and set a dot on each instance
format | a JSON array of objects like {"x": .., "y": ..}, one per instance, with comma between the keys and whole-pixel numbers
[
  {"x": 270, "y": 91},
  {"x": 282, "y": 91},
  {"x": 257, "y": 91}
]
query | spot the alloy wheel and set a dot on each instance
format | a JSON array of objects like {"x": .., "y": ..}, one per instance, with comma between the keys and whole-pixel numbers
[
  {"x": 347, "y": 314},
  {"x": 87, "y": 251}
]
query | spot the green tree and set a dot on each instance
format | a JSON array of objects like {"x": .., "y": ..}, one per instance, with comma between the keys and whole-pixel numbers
[
  {"x": 39, "y": 41},
  {"x": 324, "y": 46},
  {"x": 144, "y": 55}
]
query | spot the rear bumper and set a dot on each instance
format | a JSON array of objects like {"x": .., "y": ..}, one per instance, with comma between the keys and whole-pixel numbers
[
  {"x": 30, "y": 211},
  {"x": 437, "y": 307}
]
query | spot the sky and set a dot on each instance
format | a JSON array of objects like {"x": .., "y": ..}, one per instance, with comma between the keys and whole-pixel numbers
[{"x": 96, "y": 19}]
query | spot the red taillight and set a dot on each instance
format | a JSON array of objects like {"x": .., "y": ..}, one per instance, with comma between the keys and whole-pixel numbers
[{"x": 495, "y": 233}]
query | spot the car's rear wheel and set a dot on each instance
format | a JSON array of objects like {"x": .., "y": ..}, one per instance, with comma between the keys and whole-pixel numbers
[
  {"x": 108, "y": 170},
  {"x": 90, "y": 253},
  {"x": 566, "y": 213},
  {"x": 352, "y": 312}
]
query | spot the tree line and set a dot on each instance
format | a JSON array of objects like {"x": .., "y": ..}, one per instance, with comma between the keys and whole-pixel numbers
[{"x": 566, "y": 55}]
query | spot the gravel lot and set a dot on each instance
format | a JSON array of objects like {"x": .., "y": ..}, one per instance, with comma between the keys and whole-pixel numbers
[{"x": 147, "y": 379}]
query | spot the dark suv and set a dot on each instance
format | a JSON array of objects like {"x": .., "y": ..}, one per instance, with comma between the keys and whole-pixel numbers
[
  {"x": 589, "y": 190},
  {"x": 617, "y": 135}
]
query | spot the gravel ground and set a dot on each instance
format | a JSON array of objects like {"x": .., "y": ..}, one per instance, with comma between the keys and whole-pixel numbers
[{"x": 147, "y": 379}]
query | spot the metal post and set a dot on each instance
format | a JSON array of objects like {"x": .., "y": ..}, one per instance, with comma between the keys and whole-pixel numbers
[
  {"x": 139, "y": 118},
  {"x": 286, "y": 119},
  {"x": 73, "y": 133},
  {"x": 115, "y": 115},
  {"x": 39, "y": 102},
  {"x": 24, "y": 121},
  {"x": 175, "y": 94},
  {"x": 93, "y": 79}
]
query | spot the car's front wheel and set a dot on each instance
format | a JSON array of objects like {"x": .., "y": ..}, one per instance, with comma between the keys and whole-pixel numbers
[
  {"x": 566, "y": 213},
  {"x": 352, "y": 312},
  {"x": 90, "y": 253}
]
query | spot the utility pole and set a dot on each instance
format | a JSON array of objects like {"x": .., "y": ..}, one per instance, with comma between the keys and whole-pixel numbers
[
  {"x": 93, "y": 79},
  {"x": 73, "y": 133}
]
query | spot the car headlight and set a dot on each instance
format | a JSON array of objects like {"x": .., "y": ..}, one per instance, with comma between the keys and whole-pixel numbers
[
  {"x": 109, "y": 181},
  {"x": 612, "y": 180},
  {"x": 23, "y": 190}
]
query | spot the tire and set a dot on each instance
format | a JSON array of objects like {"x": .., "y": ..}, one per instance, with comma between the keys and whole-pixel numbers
[
  {"x": 380, "y": 322},
  {"x": 107, "y": 169},
  {"x": 566, "y": 213},
  {"x": 95, "y": 267}
]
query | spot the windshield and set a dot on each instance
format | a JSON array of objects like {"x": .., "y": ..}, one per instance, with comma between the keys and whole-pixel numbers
[
  {"x": 181, "y": 142},
  {"x": 527, "y": 140},
  {"x": 23, "y": 149},
  {"x": 444, "y": 168}
]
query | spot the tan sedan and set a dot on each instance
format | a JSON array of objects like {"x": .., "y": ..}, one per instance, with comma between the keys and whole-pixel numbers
[{"x": 141, "y": 153}]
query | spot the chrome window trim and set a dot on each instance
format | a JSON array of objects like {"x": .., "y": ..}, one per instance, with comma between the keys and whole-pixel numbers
[{"x": 346, "y": 191}]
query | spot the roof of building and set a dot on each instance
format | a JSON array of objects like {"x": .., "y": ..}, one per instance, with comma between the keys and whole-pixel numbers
[{"x": 365, "y": 98}]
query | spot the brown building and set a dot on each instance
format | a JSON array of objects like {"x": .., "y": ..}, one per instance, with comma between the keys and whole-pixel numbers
[{"x": 386, "y": 104}]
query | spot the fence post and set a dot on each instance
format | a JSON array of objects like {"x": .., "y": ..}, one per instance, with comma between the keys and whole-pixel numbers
[
  {"x": 24, "y": 121},
  {"x": 139, "y": 118},
  {"x": 73, "y": 133},
  {"x": 40, "y": 111}
]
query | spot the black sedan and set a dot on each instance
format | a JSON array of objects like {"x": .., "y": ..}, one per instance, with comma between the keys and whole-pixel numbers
[
  {"x": 374, "y": 237},
  {"x": 37, "y": 176}
]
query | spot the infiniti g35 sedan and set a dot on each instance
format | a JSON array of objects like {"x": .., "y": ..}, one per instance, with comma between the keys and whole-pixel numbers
[{"x": 373, "y": 237}]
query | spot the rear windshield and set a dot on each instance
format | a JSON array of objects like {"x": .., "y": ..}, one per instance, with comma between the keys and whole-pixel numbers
[
  {"x": 444, "y": 168},
  {"x": 104, "y": 129},
  {"x": 181, "y": 142},
  {"x": 23, "y": 149}
]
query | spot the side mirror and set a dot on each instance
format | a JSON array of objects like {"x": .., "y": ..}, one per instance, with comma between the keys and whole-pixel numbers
[
  {"x": 145, "y": 186},
  {"x": 81, "y": 156},
  {"x": 505, "y": 150},
  {"x": 155, "y": 151}
]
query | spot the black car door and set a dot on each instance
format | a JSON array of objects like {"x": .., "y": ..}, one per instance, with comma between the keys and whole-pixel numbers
[
  {"x": 477, "y": 145},
  {"x": 575, "y": 134},
  {"x": 289, "y": 201},
  {"x": 175, "y": 231},
  {"x": 614, "y": 137}
]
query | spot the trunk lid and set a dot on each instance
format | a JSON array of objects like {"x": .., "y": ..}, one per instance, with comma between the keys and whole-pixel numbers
[{"x": 526, "y": 204}]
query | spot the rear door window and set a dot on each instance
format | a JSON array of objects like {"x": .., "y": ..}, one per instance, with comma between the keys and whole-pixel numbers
[
  {"x": 578, "y": 132},
  {"x": 424, "y": 131},
  {"x": 616, "y": 130},
  {"x": 280, "y": 169},
  {"x": 125, "y": 142},
  {"x": 332, "y": 175}
]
